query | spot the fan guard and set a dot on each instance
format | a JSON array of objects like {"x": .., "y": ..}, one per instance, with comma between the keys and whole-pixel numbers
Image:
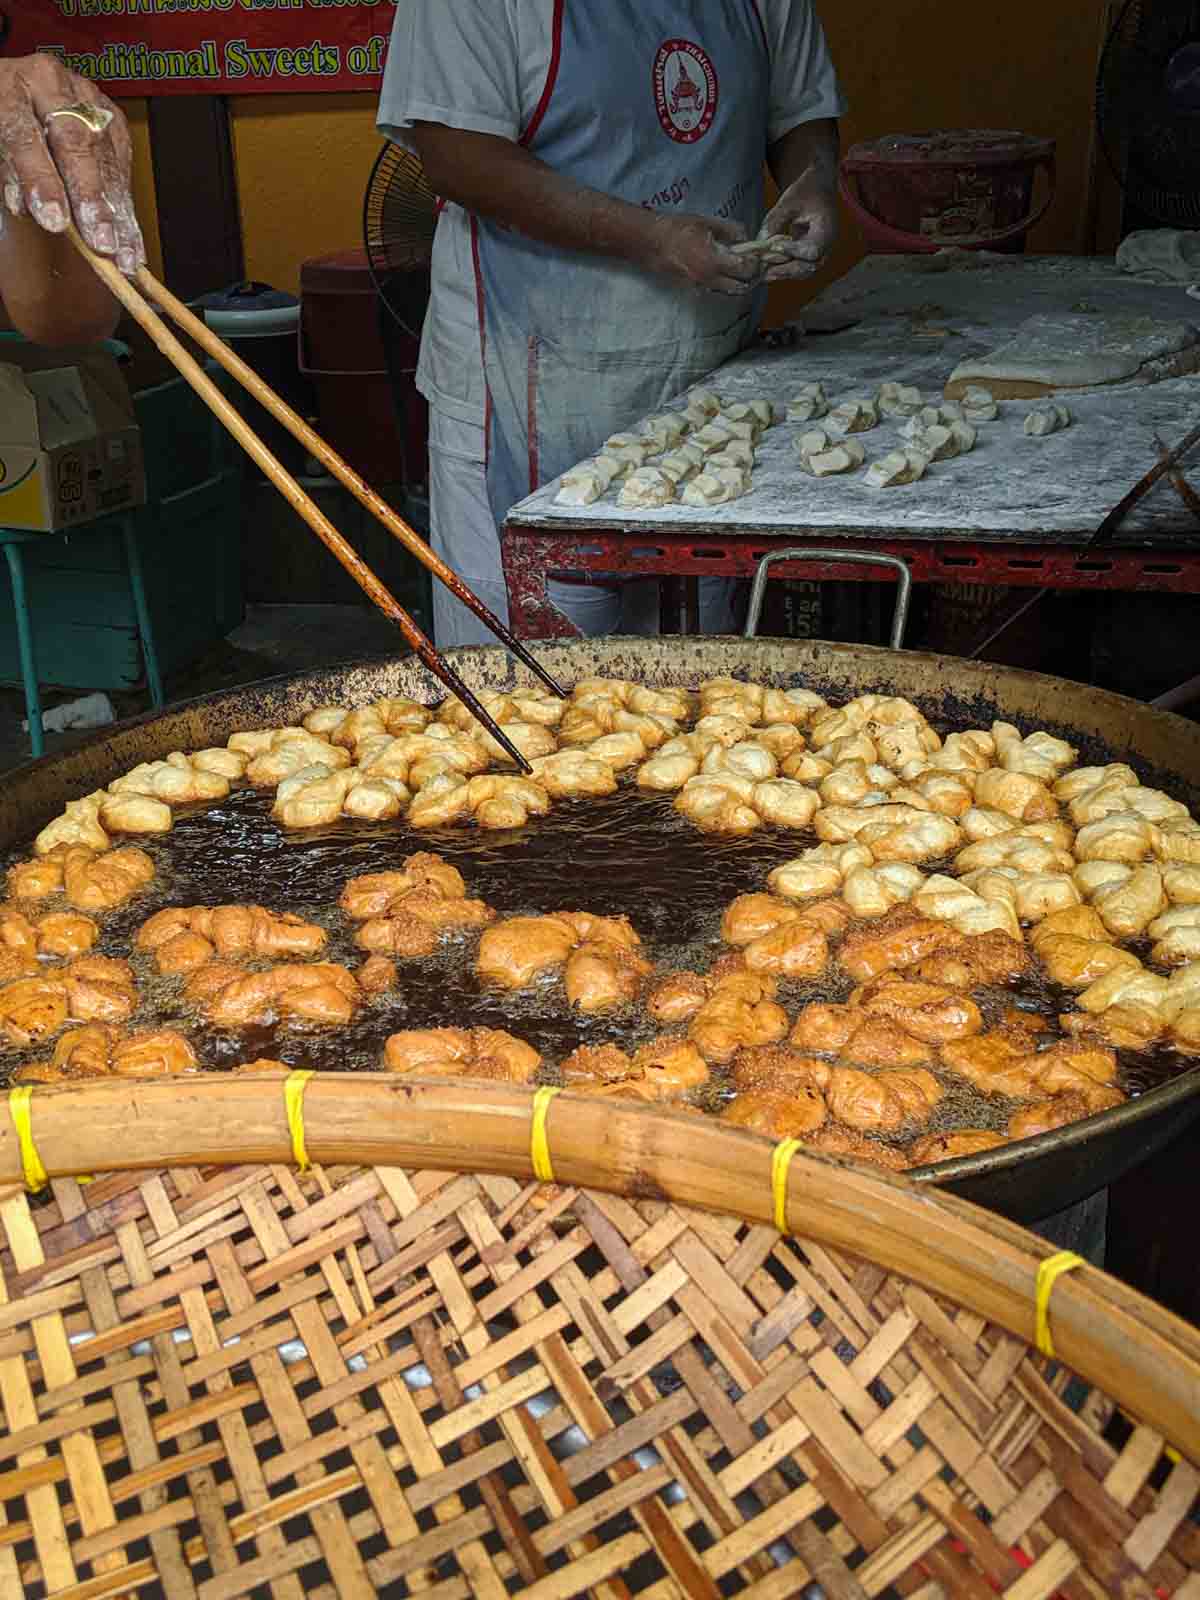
[{"x": 1148, "y": 108}]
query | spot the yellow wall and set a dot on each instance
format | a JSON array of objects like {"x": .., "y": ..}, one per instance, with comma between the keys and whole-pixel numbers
[{"x": 303, "y": 161}]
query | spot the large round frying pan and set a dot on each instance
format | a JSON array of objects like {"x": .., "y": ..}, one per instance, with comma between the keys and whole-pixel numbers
[{"x": 1034, "y": 1180}]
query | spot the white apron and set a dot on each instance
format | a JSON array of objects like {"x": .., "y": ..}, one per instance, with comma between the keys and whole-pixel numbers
[{"x": 661, "y": 103}]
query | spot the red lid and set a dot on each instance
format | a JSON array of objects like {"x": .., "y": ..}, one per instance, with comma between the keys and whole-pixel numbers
[
  {"x": 950, "y": 147},
  {"x": 343, "y": 272}
]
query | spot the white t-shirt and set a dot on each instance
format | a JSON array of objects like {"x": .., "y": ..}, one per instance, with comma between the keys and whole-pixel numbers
[{"x": 482, "y": 67}]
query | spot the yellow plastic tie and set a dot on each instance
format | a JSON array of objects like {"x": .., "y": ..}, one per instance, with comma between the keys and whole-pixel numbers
[
  {"x": 293, "y": 1098},
  {"x": 539, "y": 1145},
  {"x": 1048, "y": 1273},
  {"x": 781, "y": 1162},
  {"x": 31, "y": 1162}
]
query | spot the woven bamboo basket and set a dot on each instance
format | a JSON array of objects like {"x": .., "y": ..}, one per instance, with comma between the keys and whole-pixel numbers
[{"x": 684, "y": 1362}]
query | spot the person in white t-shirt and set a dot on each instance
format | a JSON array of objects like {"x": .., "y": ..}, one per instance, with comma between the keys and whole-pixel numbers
[
  {"x": 597, "y": 159},
  {"x": 64, "y": 157}
]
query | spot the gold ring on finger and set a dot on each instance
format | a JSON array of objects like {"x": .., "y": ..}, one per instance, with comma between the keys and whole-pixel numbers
[{"x": 95, "y": 118}]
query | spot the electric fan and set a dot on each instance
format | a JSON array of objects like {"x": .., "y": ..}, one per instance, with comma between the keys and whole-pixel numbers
[{"x": 1148, "y": 109}]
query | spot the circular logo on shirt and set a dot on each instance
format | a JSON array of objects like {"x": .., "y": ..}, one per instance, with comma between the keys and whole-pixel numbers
[{"x": 685, "y": 90}]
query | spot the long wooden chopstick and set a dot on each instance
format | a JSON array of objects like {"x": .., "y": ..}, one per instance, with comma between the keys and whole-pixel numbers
[
  {"x": 317, "y": 447},
  {"x": 189, "y": 369}
]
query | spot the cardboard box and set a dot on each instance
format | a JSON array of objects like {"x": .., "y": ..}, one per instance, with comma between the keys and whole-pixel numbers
[{"x": 70, "y": 450}]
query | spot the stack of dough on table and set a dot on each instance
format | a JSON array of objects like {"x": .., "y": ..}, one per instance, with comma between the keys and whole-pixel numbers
[{"x": 703, "y": 456}]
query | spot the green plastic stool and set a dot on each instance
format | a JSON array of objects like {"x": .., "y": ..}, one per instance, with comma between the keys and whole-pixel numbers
[{"x": 14, "y": 539}]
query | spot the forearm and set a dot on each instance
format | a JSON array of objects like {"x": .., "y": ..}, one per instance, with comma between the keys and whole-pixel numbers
[
  {"x": 810, "y": 148},
  {"x": 50, "y": 293},
  {"x": 501, "y": 181}
]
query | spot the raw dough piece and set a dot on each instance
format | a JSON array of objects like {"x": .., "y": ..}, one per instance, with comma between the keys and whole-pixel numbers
[
  {"x": 582, "y": 486},
  {"x": 1050, "y": 418},
  {"x": 898, "y": 466},
  {"x": 608, "y": 466},
  {"x": 898, "y": 399},
  {"x": 666, "y": 429},
  {"x": 628, "y": 448},
  {"x": 645, "y": 489},
  {"x": 812, "y": 443},
  {"x": 843, "y": 457},
  {"x": 853, "y": 416},
  {"x": 978, "y": 405},
  {"x": 737, "y": 453},
  {"x": 807, "y": 403},
  {"x": 704, "y": 400},
  {"x": 942, "y": 442},
  {"x": 713, "y": 436},
  {"x": 739, "y": 421},
  {"x": 1077, "y": 351},
  {"x": 763, "y": 410},
  {"x": 771, "y": 250},
  {"x": 711, "y": 489},
  {"x": 677, "y": 466},
  {"x": 1168, "y": 255}
]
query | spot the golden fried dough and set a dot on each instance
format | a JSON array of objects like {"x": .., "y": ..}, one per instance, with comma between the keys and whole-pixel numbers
[
  {"x": 103, "y": 882},
  {"x": 183, "y": 938},
  {"x": 376, "y": 975},
  {"x": 928, "y": 1011},
  {"x": 896, "y": 940},
  {"x": 101, "y": 1050},
  {"x": 881, "y": 1102},
  {"x": 321, "y": 993},
  {"x": 460, "y": 1052},
  {"x": 517, "y": 950},
  {"x": 841, "y": 1141},
  {"x": 778, "y": 1115},
  {"x": 934, "y": 1147},
  {"x": 677, "y": 997},
  {"x": 1042, "y": 1116}
]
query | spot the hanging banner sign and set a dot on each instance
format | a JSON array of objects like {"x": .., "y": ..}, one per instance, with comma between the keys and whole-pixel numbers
[{"x": 152, "y": 47}]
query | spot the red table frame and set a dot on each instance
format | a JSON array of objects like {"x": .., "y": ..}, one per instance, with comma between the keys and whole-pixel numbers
[{"x": 531, "y": 554}]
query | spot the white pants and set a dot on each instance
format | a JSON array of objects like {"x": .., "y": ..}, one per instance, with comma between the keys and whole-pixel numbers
[{"x": 463, "y": 533}]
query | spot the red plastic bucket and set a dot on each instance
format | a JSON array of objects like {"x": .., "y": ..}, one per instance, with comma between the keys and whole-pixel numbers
[
  {"x": 341, "y": 350},
  {"x": 919, "y": 192}
]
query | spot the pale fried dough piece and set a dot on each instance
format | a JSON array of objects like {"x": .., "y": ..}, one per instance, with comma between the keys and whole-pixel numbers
[
  {"x": 79, "y": 824},
  {"x": 934, "y": 1147},
  {"x": 898, "y": 939},
  {"x": 489, "y": 1053},
  {"x": 778, "y": 1115}
]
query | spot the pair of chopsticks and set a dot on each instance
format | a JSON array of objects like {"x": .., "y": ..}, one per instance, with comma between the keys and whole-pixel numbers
[{"x": 147, "y": 318}]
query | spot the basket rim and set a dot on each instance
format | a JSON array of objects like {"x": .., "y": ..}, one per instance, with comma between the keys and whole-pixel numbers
[{"x": 1139, "y": 1354}]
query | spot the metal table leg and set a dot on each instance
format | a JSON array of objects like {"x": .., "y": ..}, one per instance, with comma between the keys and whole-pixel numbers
[{"x": 29, "y": 678}]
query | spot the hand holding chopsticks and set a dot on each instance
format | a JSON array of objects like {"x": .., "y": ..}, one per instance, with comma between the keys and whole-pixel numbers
[{"x": 149, "y": 320}]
